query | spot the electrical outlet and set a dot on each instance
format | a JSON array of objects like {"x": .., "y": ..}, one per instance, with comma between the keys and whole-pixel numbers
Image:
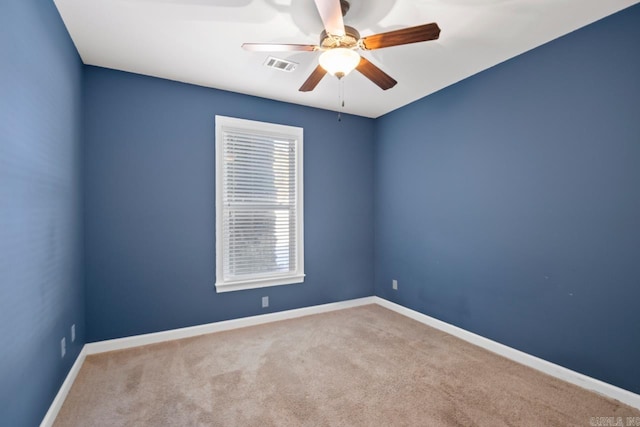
[
  {"x": 394, "y": 284},
  {"x": 73, "y": 332},
  {"x": 265, "y": 302},
  {"x": 63, "y": 347}
]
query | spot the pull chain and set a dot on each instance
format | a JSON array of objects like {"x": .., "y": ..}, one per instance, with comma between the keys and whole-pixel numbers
[{"x": 340, "y": 98}]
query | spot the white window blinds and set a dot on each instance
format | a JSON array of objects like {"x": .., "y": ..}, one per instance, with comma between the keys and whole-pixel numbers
[{"x": 259, "y": 204}]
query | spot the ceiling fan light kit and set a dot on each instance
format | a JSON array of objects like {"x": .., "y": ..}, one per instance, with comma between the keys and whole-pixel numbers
[
  {"x": 339, "y": 61},
  {"x": 339, "y": 43}
]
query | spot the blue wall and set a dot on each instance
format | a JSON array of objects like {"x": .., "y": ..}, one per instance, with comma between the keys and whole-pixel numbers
[
  {"x": 509, "y": 203},
  {"x": 150, "y": 212},
  {"x": 41, "y": 292}
]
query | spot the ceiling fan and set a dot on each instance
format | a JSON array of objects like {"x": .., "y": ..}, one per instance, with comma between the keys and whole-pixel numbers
[{"x": 339, "y": 43}]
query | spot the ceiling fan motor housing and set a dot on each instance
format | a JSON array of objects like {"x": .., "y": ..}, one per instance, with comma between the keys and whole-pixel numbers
[{"x": 349, "y": 40}]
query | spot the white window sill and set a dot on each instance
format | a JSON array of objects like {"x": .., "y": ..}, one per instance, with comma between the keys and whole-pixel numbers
[{"x": 254, "y": 284}]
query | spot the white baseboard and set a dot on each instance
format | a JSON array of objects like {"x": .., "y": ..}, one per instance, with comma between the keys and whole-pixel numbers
[
  {"x": 523, "y": 358},
  {"x": 52, "y": 413},
  {"x": 549, "y": 368},
  {"x": 192, "y": 331}
]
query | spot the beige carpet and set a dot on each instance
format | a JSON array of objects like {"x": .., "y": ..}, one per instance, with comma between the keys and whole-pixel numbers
[{"x": 365, "y": 366}]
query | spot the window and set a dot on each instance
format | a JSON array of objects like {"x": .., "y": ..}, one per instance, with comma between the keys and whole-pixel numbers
[{"x": 259, "y": 221}]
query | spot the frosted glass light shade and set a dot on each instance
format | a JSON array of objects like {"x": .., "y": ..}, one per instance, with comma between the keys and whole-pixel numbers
[{"x": 339, "y": 61}]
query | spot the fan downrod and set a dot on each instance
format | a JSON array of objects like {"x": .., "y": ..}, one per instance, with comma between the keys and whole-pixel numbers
[{"x": 344, "y": 5}]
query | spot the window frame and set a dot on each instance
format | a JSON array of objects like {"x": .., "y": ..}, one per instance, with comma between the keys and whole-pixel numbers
[{"x": 222, "y": 123}]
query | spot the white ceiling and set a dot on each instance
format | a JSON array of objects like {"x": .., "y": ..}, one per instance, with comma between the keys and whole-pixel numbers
[{"x": 198, "y": 42}]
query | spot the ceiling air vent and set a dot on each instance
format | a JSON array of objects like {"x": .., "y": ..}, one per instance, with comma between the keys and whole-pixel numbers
[{"x": 280, "y": 64}]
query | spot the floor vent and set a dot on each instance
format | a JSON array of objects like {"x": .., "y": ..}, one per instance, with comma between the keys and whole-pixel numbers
[{"x": 280, "y": 64}]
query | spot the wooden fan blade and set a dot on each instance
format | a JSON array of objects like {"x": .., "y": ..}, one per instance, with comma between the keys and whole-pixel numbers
[
  {"x": 375, "y": 74},
  {"x": 275, "y": 47},
  {"x": 421, "y": 33},
  {"x": 313, "y": 79},
  {"x": 331, "y": 15}
]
